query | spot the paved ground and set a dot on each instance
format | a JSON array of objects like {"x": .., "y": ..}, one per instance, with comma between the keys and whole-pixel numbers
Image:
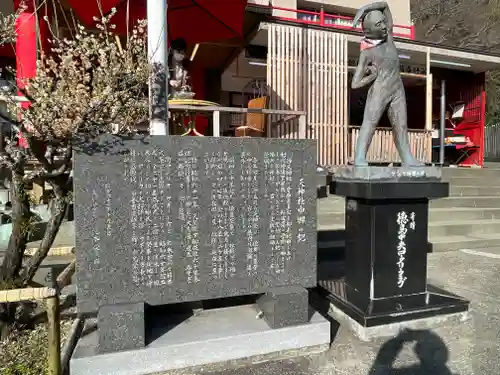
[{"x": 469, "y": 348}]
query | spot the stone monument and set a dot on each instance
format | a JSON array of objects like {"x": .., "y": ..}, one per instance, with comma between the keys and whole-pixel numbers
[
  {"x": 384, "y": 280},
  {"x": 179, "y": 220}
]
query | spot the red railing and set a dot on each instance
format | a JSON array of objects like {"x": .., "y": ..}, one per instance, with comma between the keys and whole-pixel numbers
[{"x": 324, "y": 19}]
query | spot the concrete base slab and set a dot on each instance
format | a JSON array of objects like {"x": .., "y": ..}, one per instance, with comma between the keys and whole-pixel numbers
[
  {"x": 209, "y": 336},
  {"x": 393, "y": 329}
]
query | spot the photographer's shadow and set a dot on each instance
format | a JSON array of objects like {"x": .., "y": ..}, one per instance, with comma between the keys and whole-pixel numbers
[{"x": 428, "y": 347}]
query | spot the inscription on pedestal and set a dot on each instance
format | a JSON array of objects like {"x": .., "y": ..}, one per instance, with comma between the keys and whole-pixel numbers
[
  {"x": 172, "y": 219},
  {"x": 405, "y": 223},
  {"x": 400, "y": 261}
]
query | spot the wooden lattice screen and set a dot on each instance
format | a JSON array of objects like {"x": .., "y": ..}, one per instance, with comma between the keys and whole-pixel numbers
[{"x": 307, "y": 70}]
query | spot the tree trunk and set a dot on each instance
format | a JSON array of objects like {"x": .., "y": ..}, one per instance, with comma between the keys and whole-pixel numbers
[
  {"x": 12, "y": 261},
  {"x": 7, "y": 318},
  {"x": 13, "y": 258},
  {"x": 58, "y": 210}
]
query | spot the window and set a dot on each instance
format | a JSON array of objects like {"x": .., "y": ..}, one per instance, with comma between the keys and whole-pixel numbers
[
  {"x": 334, "y": 18},
  {"x": 307, "y": 16}
]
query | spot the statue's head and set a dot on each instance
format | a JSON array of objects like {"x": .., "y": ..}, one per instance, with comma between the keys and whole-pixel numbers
[
  {"x": 179, "y": 44},
  {"x": 375, "y": 25},
  {"x": 178, "y": 50}
]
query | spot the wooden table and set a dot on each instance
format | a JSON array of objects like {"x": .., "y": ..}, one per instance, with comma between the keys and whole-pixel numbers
[{"x": 179, "y": 126}]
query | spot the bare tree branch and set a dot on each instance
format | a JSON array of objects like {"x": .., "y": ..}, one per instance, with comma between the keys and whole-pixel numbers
[
  {"x": 462, "y": 23},
  {"x": 86, "y": 86},
  {"x": 8, "y": 28},
  {"x": 473, "y": 24}
]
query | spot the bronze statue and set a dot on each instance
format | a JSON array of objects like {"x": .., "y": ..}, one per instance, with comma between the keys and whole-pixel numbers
[
  {"x": 178, "y": 64},
  {"x": 379, "y": 66}
]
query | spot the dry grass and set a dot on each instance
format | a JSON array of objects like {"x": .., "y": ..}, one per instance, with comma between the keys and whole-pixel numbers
[{"x": 25, "y": 352}]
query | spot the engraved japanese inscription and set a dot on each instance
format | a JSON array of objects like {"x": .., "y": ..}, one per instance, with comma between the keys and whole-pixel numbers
[
  {"x": 172, "y": 219},
  {"x": 249, "y": 179},
  {"x": 151, "y": 252},
  {"x": 219, "y": 171},
  {"x": 402, "y": 222}
]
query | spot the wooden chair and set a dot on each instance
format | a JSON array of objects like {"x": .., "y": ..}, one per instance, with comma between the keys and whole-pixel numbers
[{"x": 254, "y": 123}]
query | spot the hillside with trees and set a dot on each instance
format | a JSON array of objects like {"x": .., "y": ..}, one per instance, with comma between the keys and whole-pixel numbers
[{"x": 471, "y": 24}]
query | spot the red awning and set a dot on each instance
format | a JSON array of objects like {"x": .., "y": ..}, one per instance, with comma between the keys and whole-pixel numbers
[{"x": 196, "y": 21}]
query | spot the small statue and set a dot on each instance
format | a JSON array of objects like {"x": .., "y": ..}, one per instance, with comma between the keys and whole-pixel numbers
[
  {"x": 178, "y": 66},
  {"x": 379, "y": 66}
]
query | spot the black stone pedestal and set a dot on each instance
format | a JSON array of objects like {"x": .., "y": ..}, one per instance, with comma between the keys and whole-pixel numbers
[
  {"x": 285, "y": 306},
  {"x": 386, "y": 223}
]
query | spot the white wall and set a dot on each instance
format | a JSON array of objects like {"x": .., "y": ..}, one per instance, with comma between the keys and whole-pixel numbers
[
  {"x": 240, "y": 73},
  {"x": 400, "y": 9}
]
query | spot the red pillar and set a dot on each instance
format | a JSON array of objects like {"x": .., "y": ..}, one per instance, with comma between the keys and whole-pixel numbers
[
  {"x": 26, "y": 45},
  {"x": 412, "y": 32},
  {"x": 482, "y": 123},
  {"x": 27, "y": 42}
]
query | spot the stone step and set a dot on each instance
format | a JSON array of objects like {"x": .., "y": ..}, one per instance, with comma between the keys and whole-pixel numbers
[
  {"x": 442, "y": 228},
  {"x": 474, "y": 191},
  {"x": 459, "y": 202},
  {"x": 459, "y": 242},
  {"x": 470, "y": 172},
  {"x": 331, "y": 246},
  {"x": 491, "y": 165},
  {"x": 463, "y": 227},
  {"x": 474, "y": 181},
  {"x": 329, "y": 219},
  {"x": 333, "y": 203}
]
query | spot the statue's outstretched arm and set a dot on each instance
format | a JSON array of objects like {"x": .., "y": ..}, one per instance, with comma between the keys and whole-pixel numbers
[
  {"x": 379, "y": 5},
  {"x": 360, "y": 78}
]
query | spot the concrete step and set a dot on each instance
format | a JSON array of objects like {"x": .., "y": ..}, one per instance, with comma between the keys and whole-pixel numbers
[
  {"x": 470, "y": 172},
  {"x": 331, "y": 219},
  {"x": 463, "y": 228},
  {"x": 333, "y": 203},
  {"x": 441, "y": 228},
  {"x": 460, "y": 202},
  {"x": 492, "y": 164},
  {"x": 474, "y": 181},
  {"x": 332, "y": 246},
  {"x": 474, "y": 191}
]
